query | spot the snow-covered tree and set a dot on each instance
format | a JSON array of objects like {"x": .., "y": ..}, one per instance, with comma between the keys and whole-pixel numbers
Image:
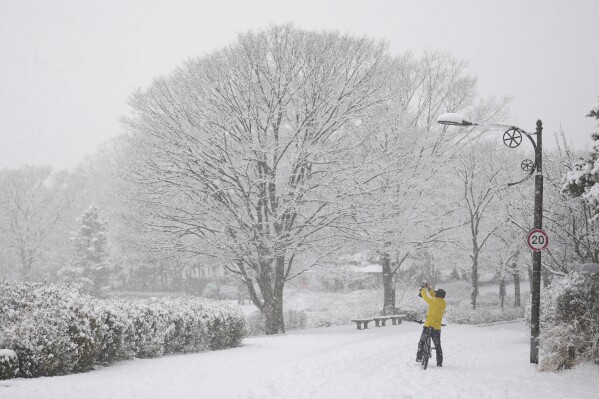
[
  {"x": 508, "y": 260},
  {"x": 583, "y": 180},
  {"x": 33, "y": 201},
  {"x": 508, "y": 247},
  {"x": 582, "y": 183},
  {"x": 91, "y": 268},
  {"x": 247, "y": 155},
  {"x": 570, "y": 321},
  {"x": 401, "y": 203},
  {"x": 134, "y": 250},
  {"x": 481, "y": 176},
  {"x": 569, "y": 219}
]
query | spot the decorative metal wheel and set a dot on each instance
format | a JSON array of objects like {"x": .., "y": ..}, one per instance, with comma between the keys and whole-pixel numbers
[
  {"x": 527, "y": 165},
  {"x": 512, "y": 138}
]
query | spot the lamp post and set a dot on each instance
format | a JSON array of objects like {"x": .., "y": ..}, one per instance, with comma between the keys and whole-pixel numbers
[{"x": 512, "y": 138}]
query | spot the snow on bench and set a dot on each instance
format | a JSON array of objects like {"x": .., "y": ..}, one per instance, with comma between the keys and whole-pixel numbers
[
  {"x": 379, "y": 321},
  {"x": 395, "y": 319},
  {"x": 360, "y": 322}
]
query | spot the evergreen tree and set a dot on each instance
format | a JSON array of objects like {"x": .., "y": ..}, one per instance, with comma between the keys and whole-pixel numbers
[{"x": 90, "y": 269}]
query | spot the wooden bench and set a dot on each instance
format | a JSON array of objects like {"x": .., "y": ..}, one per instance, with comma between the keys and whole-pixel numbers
[{"x": 360, "y": 322}]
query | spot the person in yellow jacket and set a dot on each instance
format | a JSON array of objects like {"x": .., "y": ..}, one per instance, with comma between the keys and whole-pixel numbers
[{"x": 434, "y": 317}]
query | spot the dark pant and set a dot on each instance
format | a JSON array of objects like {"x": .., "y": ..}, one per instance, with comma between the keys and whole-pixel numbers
[{"x": 436, "y": 336}]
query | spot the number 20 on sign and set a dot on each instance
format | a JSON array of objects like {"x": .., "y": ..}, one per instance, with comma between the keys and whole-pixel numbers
[{"x": 537, "y": 240}]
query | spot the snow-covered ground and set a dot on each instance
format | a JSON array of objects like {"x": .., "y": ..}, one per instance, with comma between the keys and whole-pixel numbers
[{"x": 335, "y": 362}]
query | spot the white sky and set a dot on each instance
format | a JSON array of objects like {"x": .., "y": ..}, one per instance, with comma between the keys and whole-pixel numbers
[{"x": 68, "y": 67}]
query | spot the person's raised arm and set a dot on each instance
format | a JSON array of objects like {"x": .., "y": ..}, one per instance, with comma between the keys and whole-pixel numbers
[{"x": 424, "y": 295}]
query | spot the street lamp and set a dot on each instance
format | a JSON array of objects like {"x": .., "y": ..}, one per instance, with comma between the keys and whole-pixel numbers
[{"x": 512, "y": 138}]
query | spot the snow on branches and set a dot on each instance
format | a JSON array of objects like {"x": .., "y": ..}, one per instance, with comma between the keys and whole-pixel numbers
[
  {"x": 582, "y": 180},
  {"x": 247, "y": 156},
  {"x": 90, "y": 269}
]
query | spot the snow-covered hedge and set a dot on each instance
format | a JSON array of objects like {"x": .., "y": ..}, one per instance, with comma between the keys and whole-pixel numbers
[
  {"x": 463, "y": 313},
  {"x": 570, "y": 322},
  {"x": 9, "y": 364},
  {"x": 57, "y": 330},
  {"x": 157, "y": 326},
  {"x": 52, "y": 330}
]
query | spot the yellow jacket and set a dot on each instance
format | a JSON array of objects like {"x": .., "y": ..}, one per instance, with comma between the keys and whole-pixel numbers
[{"x": 435, "y": 310}]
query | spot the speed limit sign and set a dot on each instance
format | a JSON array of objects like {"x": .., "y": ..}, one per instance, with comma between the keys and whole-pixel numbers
[{"x": 537, "y": 240}]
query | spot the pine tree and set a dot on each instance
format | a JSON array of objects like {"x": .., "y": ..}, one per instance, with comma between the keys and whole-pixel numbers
[{"x": 90, "y": 269}]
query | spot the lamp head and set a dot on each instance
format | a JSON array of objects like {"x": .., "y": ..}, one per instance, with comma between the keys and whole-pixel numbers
[{"x": 453, "y": 119}]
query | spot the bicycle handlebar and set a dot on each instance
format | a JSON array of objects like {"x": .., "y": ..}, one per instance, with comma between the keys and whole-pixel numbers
[{"x": 422, "y": 322}]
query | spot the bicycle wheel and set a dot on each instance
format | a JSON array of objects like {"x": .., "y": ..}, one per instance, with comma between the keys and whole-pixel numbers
[{"x": 426, "y": 353}]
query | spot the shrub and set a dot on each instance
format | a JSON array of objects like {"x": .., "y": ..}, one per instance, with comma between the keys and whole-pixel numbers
[
  {"x": 145, "y": 334},
  {"x": 158, "y": 326},
  {"x": 9, "y": 364},
  {"x": 57, "y": 330},
  {"x": 570, "y": 322},
  {"x": 295, "y": 319},
  {"x": 114, "y": 326},
  {"x": 463, "y": 313},
  {"x": 53, "y": 330}
]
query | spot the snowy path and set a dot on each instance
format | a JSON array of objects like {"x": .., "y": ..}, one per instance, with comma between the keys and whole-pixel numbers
[{"x": 337, "y": 362}]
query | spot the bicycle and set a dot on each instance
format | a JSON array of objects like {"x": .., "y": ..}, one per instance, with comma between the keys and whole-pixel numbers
[{"x": 427, "y": 348}]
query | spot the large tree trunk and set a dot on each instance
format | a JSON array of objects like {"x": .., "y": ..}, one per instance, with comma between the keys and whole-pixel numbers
[
  {"x": 26, "y": 274},
  {"x": 547, "y": 277},
  {"x": 502, "y": 291},
  {"x": 517, "y": 299},
  {"x": 388, "y": 285},
  {"x": 271, "y": 283},
  {"x": 278, "y": 319},
  {"x": 474, "y": 294},
  {"x": 27, "y": 267},
  {"x": 273, "y": 312}
]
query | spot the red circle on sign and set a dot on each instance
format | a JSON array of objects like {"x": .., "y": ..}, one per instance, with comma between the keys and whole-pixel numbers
[{"x": 537, "y": 240}]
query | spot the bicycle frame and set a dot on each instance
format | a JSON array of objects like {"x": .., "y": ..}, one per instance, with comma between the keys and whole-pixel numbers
[
  {"x": 427, "y": 351},
  {"x": 427, "y": 348}
]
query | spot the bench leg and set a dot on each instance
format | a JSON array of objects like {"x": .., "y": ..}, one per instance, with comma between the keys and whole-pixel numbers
[
  {"x": 365, "y": 325},
  {"x": 383, "y": 321},
  {"x": 359, "y": 325}
]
